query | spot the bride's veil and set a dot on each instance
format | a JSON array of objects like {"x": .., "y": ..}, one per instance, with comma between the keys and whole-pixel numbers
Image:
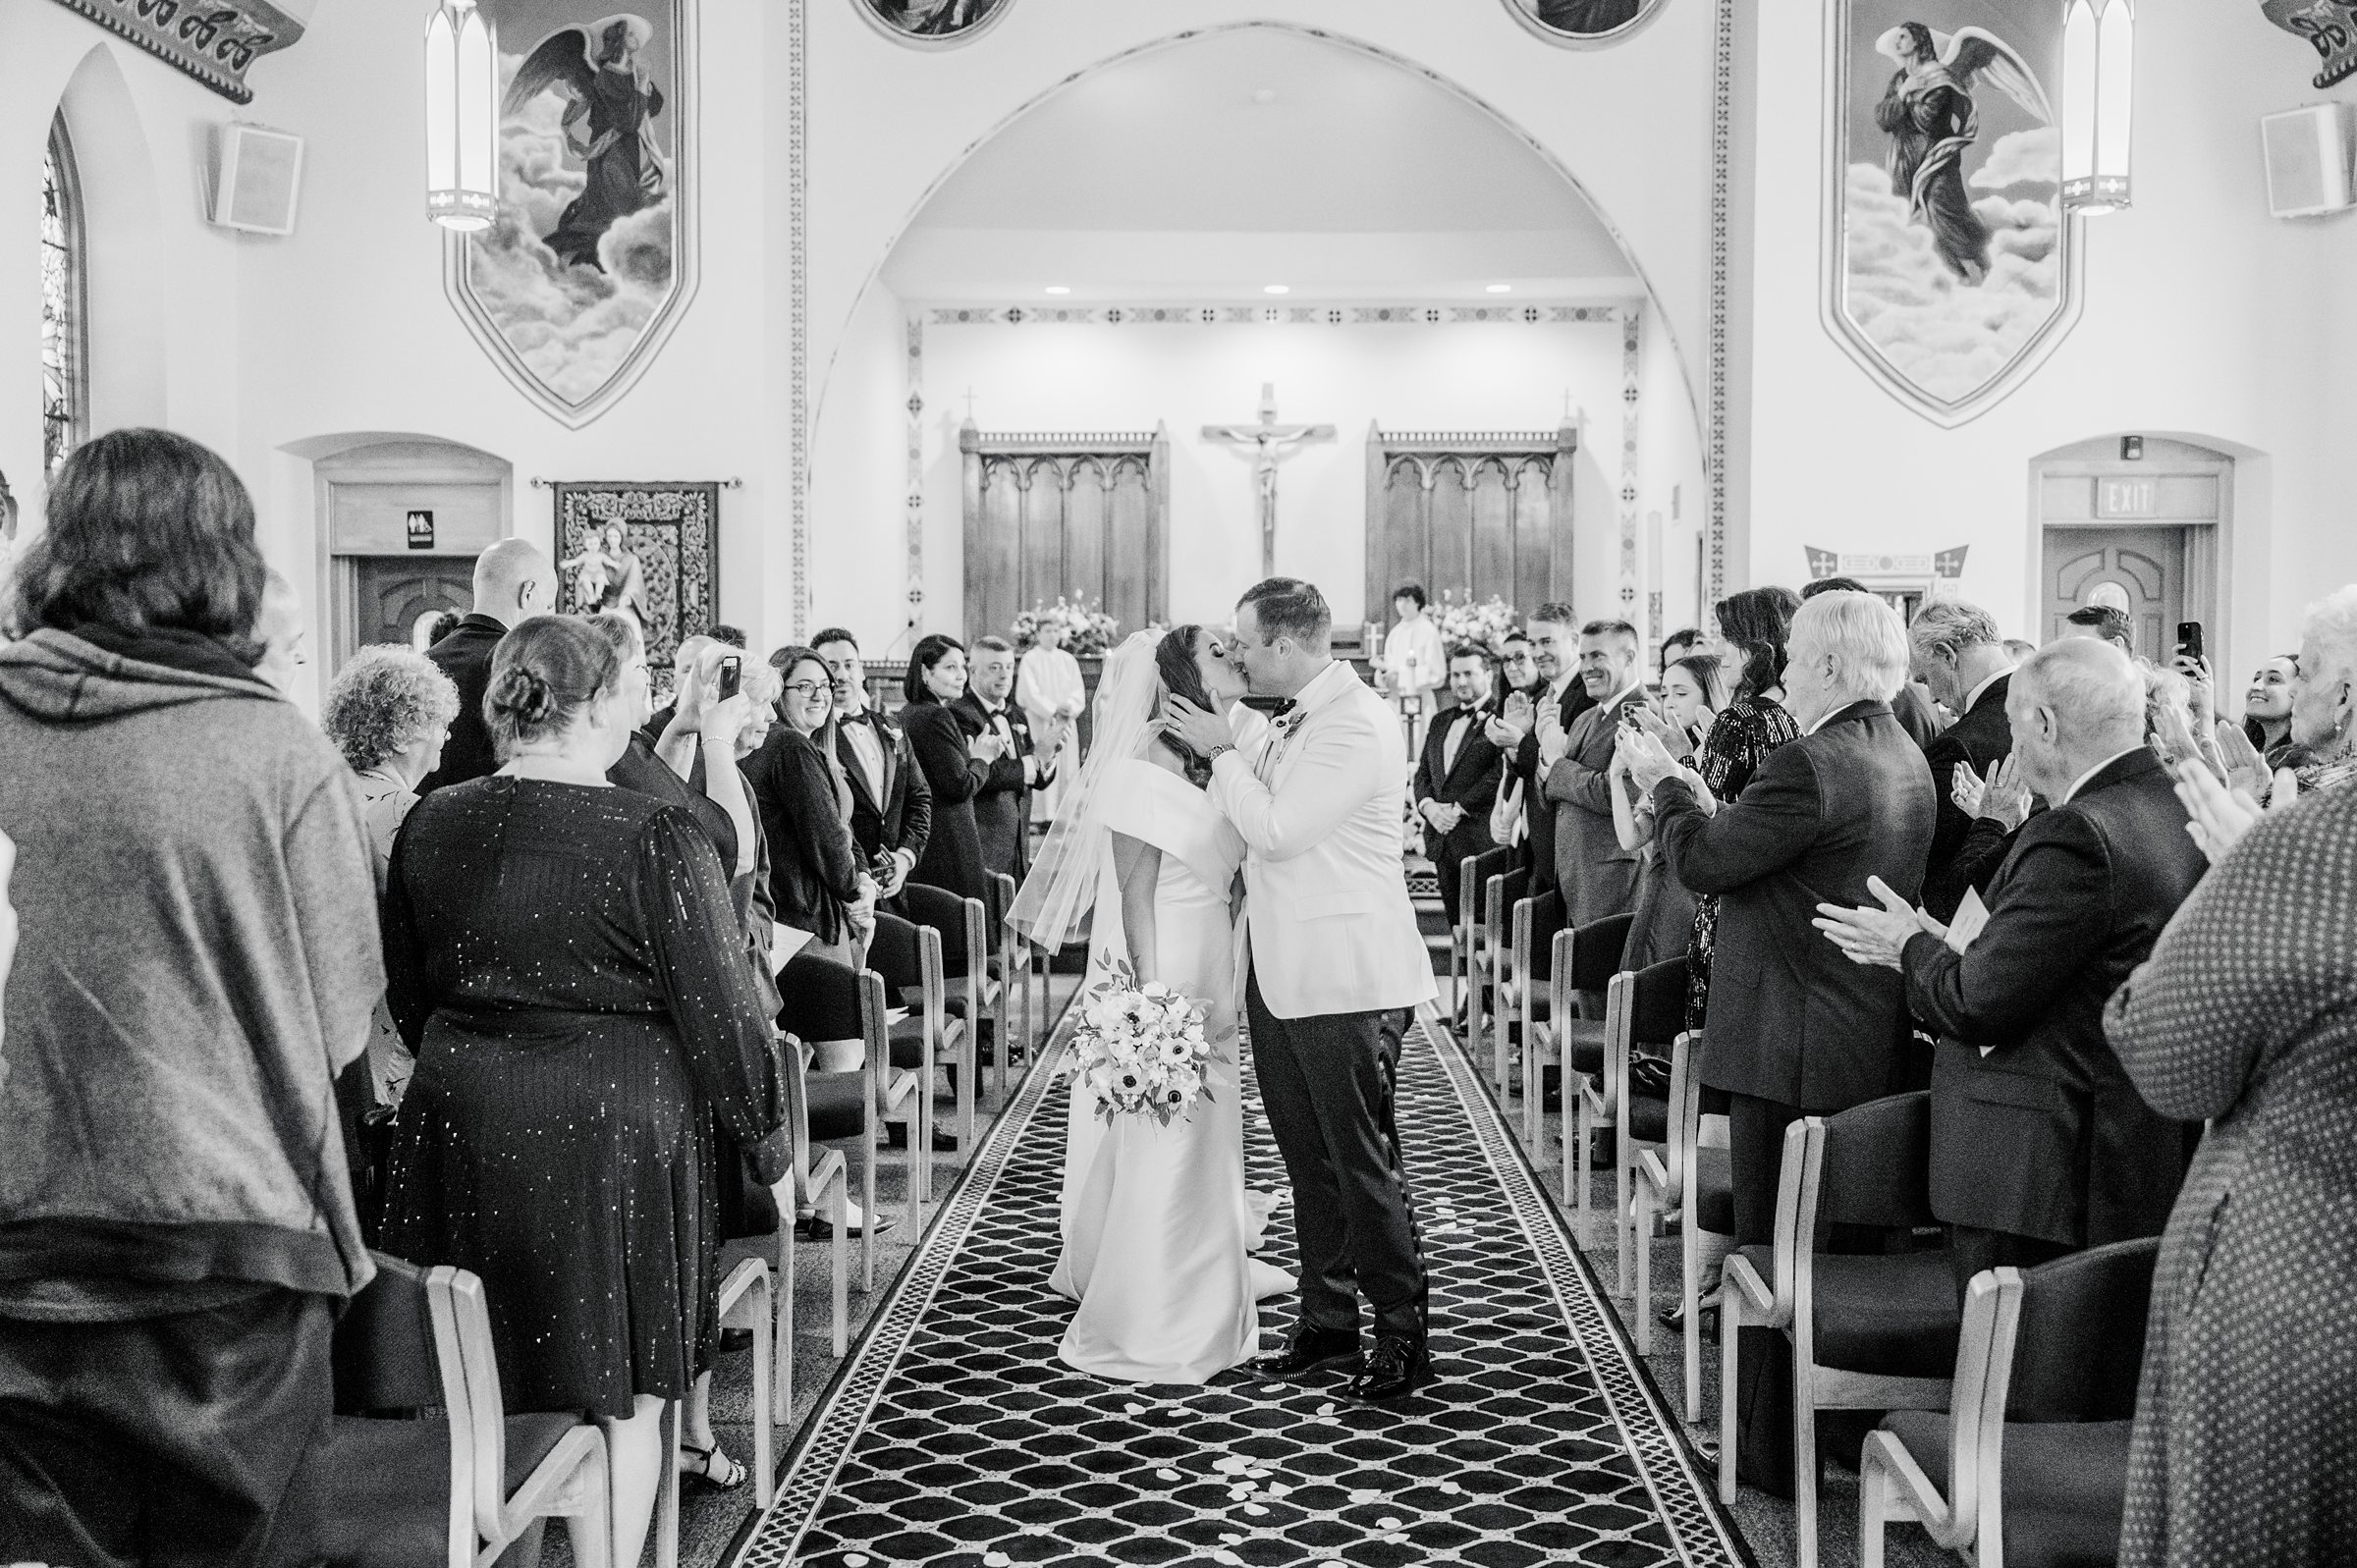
[{"x": 1064, "y": 880}]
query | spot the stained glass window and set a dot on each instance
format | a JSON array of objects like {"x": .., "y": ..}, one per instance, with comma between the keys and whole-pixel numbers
[{"x": 65, "y": 404}]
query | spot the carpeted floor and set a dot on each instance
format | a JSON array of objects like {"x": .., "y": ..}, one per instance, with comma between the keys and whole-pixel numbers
[{"x": 954, "y": 1437}]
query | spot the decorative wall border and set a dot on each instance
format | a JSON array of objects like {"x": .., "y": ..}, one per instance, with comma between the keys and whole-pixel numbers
[
  {"x": 1714, "y": 431},
  {"x": 1222, "y": 314},
  {"x": 1633, "y": 328},
  {"x": 915, "y": 524},
  {"x": 797, "y": 305}
]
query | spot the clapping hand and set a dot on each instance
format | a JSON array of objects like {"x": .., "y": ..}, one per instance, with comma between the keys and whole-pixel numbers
[
  {"x": 1872, "y": 935},
  {"x": 988, "y": 747},
  {"x": 2217, "y": 817},
  {"x": 1649, "y": 761},
  {"x": 1965, "y": 787},
  {"x": 2006, "y": 799},
  {"x": 2201, "y": 689}
]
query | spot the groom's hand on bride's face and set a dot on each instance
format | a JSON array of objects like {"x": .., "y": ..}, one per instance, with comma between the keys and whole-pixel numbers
[{"x": 1199, "y": 732}]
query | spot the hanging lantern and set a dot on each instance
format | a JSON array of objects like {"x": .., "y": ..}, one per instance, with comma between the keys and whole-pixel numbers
[
  {"x": 461, "y": 118},
  {"x": 2098, "y": 88}
]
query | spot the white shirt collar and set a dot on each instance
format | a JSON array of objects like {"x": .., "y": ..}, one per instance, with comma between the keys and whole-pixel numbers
[
  {"x": 1973, "y": 697},
  {"x": 1561, "y": 685},
  {"x": 1623, "y": 694},
  {"x": 2080, "y": 783}
]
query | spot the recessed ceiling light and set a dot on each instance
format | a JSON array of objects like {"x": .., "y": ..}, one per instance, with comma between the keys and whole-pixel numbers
[
  {"x": 1265, "y": 95},
  {"x": 1276, "y": 288},
  {"x": 1058, "y": 287},
  {"x": 1501, "y": 287}
]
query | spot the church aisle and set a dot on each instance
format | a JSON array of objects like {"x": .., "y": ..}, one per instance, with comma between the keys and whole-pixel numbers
[{"x": 954, "y": 1437}]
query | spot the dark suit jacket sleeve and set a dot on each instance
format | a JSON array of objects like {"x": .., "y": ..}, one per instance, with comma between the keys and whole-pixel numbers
[
  {"x": 1428, "y": 761},
  {"x": 916, "y": 802},
  {"x": 1479, "y": 790},
  {"x": 940, "y": 748},
  {"x": 1770, "y": 826},
  {"x": 1004, "y": 776},
  {"x": 2051, "y": 919}
]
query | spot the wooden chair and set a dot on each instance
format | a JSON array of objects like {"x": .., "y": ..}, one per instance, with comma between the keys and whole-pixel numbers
[
  {"x": 960, "y": 928},
  {"x": 1015, "y": 1006},
  {"x": 1868, "y": 1332},
  {"x": 1468, "y": 953},
  {"x": 1537, "y": 920},
  {"x": 2032, "y": 1458},
  {"x": 1697, "y": 1185},
  {"x": 1655, "y": 1014},
  {"x": 1498, "y": 899},
  {"x": 423, "y": 1461},
  {"x": 1586, "y": 958},
  {"x": 897, "y": 1057},
  {"x": 748, "y": 1302},
  {"x": 823, "y": 1008}
]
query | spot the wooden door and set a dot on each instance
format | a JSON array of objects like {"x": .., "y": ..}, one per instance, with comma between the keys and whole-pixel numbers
[
  {"x": 1072, "y": 516},
  {"x": 2144, "y": 565},
  {"x": 391, "y": 592},
  {"x": 1469, "y": 516}
]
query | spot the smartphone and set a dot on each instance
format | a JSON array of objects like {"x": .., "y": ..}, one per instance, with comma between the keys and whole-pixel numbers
[
  {"x": 2189, "y": 639},
  {"x": 731, "y": 676}
]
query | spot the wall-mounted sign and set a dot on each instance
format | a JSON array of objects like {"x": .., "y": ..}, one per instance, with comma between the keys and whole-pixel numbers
[
  {"x": 422, "y": 530},
  {"x": 1824, "y": 564},
  {"x": 2127, "y": 498},
  {"x": 2331, "y": 25},
  {"x": 213, "y": 41}
]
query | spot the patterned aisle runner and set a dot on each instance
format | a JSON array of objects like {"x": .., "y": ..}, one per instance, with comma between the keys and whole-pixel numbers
[{"x": 954, "y": 1437}]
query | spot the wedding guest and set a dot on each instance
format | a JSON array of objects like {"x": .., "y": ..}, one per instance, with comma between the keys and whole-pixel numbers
[
  {"x": 1457, "y": 775},
  {"x": 1535, "y": 733},
  {"x": 1793, "y": 1028},
  {"x": 1693, "y": 690},
  {"x": 197, "y": 965},
  {"x": 953, "y": 768},
  {"x": 2105, "y": 622},
  {"x": 2248, "y": 1406},
  {"x": 1517, "y": 669},
  {"x": 1751, "y": 626},
  {"x": 1958, "y": 655},
  {"x": 1415, "y": 664},
  {"x": 641, "y": 768},
  {"x": 388, "y": 712},
  {"x": 1003, "y": 805},
  {"x": 818, "y": 882},
  {"x": 2323, "y": 753},
  {"x": 1048, "y": 687},
  {"x": 891, "y": 805},
  {"x": 281, "y": 630},
  {"x": 1598, "y": 877},
  {"x": 564, "y": 960},
  {"x": 514, "y": 581},
  {"x": 1675, "y": 647},
  {"x": 2040, "y": 1145},
  {"x": 2266, "y": 707},
  {"x": 1911, "y": 704}
]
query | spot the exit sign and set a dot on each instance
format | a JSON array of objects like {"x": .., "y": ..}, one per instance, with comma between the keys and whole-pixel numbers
[{"x": 2126, "y": 498}]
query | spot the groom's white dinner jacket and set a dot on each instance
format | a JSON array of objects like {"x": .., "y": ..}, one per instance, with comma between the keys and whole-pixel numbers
[{"x": 1318, "y": 800}]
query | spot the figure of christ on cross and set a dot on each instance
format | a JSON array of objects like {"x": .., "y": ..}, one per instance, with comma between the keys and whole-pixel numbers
[{"x": 1271, "y": 444}]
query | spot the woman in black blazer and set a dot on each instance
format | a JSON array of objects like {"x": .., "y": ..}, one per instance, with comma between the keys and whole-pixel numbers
[
  {"x": 952, "y": 857},
  {"x": 817, "y": 883}
]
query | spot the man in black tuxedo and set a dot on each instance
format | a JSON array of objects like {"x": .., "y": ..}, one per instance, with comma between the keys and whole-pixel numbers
[
  {"x": 891, "y": 805},
  {"x": 1536, "y": 735},
  {"x": 514, "y": 581},
  {"x": 1003, "y": 802},
  {"x": 1598, "y": 877},
  {"x": 1794, "y": 1029},
  {"x": 1458, "y": 774},
  {"x": 2039, "y": 1144},
  {"x": 1959, "y": 655}
]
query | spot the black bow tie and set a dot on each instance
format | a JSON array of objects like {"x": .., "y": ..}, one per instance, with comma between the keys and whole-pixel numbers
[{"x": 1284, "y": 706}]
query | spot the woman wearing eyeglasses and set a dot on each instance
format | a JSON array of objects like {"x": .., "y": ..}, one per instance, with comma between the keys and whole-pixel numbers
[{"x": 817, "y": 883}]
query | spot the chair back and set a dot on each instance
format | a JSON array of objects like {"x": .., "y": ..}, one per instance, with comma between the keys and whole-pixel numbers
[
  {"x": 1499, "y": 898},
  {"x": 946, "y": 912},
  {"x": 1657, "y": 1003},
  {"x": 1876, "y": 1166},
  {"x": 1686, "y": 1113},
  {"x": 1595, "y": 955},
  {"x": 821, "y": 998},
  {"x": 1473, "y": 880},
  {"x": 1537, "y": 920},
  {"x": 893, "y": 952},
  {"x": 383, "y": 1355},
  {"x": 2079, "y": 1349}
]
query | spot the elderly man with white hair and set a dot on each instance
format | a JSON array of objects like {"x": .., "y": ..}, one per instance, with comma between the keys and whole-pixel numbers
[
  {"x": 1959, "y": 654},
  {"x": 1794, "y": 1029},
  {"x": 2039, "y": 1144}
]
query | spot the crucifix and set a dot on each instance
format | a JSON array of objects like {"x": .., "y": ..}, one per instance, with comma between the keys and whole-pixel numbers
[{"x": 1271, "y": 444}]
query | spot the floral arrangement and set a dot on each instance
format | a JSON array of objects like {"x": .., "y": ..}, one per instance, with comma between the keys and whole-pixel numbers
[
  {"x": 1140, "y": 1049},
  {"x": 1087, "y": 633},
  {"x": 1485, "y": 623}
]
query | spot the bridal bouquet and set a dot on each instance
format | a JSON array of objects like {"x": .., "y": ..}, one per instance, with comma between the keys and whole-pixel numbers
[{"x": 1140, "y": 1049}]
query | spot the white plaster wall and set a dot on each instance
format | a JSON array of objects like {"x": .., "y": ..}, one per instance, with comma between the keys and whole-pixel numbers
[
  {"x": 2203, "y": 318},
  {"x": 859, "y": 493},
  {"x": 1133, "y": 377}
]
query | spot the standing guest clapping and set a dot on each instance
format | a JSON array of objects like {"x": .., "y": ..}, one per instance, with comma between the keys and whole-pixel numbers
[
  {"x": 564, "y": 960},
  {"x": 954, "y": 770},
  {"x": 199, "y": 963},
  {"x": 1692, "y": 693},
  {"x": 1959, "y": 657},
  {"x": 1025, "y": 762}
]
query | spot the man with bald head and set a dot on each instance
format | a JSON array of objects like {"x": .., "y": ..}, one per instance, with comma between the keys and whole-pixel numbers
[
  {"x": 2040, "y": 1145},
  {"x": 514, "y": 581}
]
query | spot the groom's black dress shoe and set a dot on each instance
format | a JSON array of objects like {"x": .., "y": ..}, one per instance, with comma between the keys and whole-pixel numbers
[
  {"x": 1397, "y": 1365},
  {"x": 1308, "y": 1350}
]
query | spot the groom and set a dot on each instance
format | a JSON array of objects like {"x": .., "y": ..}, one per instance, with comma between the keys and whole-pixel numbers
[{"x": 1337, "y": 959}]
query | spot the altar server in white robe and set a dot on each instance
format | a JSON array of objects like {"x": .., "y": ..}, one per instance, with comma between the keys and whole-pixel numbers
[
  {"x": 1048, "y": 686},
  {"x": 1415, "y": 665}
]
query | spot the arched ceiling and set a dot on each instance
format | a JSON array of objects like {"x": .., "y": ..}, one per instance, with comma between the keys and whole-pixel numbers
[{"x": 1215, "y": 166}]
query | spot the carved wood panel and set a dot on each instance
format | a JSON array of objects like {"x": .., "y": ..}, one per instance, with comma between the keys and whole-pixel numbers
[
  {"x": 1075, "y": 515},
  {"x": 1472, "y": 514}
]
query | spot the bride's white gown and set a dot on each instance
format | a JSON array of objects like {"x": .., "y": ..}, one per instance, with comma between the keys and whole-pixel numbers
[{"x": 1157, "y": 1225}]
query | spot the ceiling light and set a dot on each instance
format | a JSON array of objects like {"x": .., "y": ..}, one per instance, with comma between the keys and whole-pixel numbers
[
  {"x": 1501, "y": 287},
  {"x": 461, "y": 118},
  {"x": 1276, "y": 288},
  {"x": 1059, "y": 288}
]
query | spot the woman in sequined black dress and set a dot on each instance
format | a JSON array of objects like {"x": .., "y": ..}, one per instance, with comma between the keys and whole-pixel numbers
[
  {"x": 1752, "y": 624},
  {"x": 563, "y": 957}
]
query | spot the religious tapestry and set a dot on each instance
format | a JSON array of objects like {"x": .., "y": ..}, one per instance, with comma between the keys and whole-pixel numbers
[
  {"x": 213, "y": 41},
  {"x": 650, "y": 551},
  {"x": 1950, "y": 273},
  {"x": 932, "y": 21},
  {"x": 1581, "y": 21},
  {"x": 590, "y": 261}
]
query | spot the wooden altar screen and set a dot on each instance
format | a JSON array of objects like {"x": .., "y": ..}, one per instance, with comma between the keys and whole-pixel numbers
[
  {"x": 1471, "y": 513},
  {"x": 1080, "y": 515}
]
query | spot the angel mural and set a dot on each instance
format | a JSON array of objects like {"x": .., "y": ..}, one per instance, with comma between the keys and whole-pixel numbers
[
  {"x": 1948, "y": 273},
  {"x": 609, "y": 101},
  {"x": 1929, "y": 114},
  {"x": 932, "y": 19}
]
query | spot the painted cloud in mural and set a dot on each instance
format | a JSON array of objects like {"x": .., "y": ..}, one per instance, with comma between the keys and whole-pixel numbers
[
  {"x": 1945, "y": 335},
  {"x": 572, "y": 326}
]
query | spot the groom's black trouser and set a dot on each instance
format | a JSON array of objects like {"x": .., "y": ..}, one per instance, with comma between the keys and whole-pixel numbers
[{"x": 1327, "y": 1084}]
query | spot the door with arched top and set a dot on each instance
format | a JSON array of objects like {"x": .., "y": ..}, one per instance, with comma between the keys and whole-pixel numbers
[{"x": 2137, "y": 532}]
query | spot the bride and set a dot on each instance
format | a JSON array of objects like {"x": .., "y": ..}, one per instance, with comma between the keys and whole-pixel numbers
[{"x": 1158, "y": 1227}]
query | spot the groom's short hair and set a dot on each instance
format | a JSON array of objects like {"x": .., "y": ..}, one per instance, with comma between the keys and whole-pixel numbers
[{"x": 1288, "y": 607}]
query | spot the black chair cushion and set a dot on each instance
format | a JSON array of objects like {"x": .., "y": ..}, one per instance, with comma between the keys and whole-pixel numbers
[
  {"x": 952, "y": 1000},
  {"x": 1714, "y": 1192},
  {"x": 1896, "y": 1316},
  {"x": 838, "y": 1108},
  {"x": 390, "y": 1484},
  {"x": 907, "y": 1044},
  {"x": 1582, "y": 1040},
  {"x": 2065, "y": 1485},
  {"x": 1649, "y": 1121}
]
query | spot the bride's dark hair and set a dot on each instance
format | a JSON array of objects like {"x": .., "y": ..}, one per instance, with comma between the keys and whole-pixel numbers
[{"x": 1174, "y": 663}]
